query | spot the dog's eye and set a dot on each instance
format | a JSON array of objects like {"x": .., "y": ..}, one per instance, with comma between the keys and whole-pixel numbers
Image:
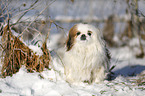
[
  {"x": 78, "y": 33},
  {"x": 89, "y": 33}
]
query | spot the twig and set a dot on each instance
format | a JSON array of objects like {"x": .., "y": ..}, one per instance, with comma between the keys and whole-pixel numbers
[
  {"x": 30, "y": 8},
  {"x": 36, "y": 17},
  {"x": 57, "y": 71},
  {"x": 59, "y": 58},
  {"x": 1, "y": 29},
  {"x": 49, "y": 29},
  {"x": 5, "y": 7},
  {"x": 39, "y": 33},
  {"x": 58, "y": 26},
  {"x": 1, "y": 46}
]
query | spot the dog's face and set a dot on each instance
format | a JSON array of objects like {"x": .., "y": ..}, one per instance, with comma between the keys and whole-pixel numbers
[{"x": 81, "y": 34}]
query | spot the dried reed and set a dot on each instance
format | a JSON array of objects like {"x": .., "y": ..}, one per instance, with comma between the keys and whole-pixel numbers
[{"x": 15, "y": 54}]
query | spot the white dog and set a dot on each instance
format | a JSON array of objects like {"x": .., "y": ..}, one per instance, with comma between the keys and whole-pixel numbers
[{"x": 86, "y": 58}]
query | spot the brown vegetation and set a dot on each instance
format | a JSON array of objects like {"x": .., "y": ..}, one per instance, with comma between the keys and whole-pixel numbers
[
  {"x": 15, "y": 54},
  {"x": 108, "y": 31}
]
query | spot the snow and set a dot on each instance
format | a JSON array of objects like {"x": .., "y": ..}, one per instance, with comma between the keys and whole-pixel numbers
[
  {"x": 51, "y": 82},
  {"x": 30, "y": 84},
  {"x": 36, "y": 50}
]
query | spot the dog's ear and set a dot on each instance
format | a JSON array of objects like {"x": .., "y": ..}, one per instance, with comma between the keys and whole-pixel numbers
[
  {"x": 69, "y": 43},
  {"x": 71, "y": 37}
]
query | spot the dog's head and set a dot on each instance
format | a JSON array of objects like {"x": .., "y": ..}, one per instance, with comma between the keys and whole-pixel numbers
[{"x": 82, "y": 34}]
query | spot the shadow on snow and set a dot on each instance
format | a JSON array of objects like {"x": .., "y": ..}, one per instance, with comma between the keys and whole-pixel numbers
[{"x": 127, "y": 71}]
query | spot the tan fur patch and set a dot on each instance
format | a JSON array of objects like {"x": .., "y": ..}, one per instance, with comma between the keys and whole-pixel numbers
[{"x": 71, "y": 37}]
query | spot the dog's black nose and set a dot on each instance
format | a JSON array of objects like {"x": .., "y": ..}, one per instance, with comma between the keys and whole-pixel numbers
[{"x": 83, "y": 37}]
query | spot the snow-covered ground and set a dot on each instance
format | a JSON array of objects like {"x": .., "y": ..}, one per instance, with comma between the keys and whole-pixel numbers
[{"x": 51, "y": 83}]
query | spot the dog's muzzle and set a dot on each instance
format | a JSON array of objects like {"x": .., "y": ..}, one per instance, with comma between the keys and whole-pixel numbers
[{"x": 83, "y": 37}]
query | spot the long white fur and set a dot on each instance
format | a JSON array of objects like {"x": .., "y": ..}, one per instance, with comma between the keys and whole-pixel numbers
[{"x": 86, "y": 59}]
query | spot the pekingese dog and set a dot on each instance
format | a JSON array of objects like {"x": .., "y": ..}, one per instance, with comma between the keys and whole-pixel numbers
[{"x": 86, "y": 58}]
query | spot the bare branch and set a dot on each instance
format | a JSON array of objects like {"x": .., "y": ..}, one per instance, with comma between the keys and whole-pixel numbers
[
  {"x": 30, "y": 8},
  {"x": 36, "y": 17}
]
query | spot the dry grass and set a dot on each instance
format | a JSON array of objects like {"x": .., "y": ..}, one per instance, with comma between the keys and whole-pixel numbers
[
  {"x": 138, "y": 81},
  {"x": 15, "y": 54},
  {"x": 141, "y": 80}
]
